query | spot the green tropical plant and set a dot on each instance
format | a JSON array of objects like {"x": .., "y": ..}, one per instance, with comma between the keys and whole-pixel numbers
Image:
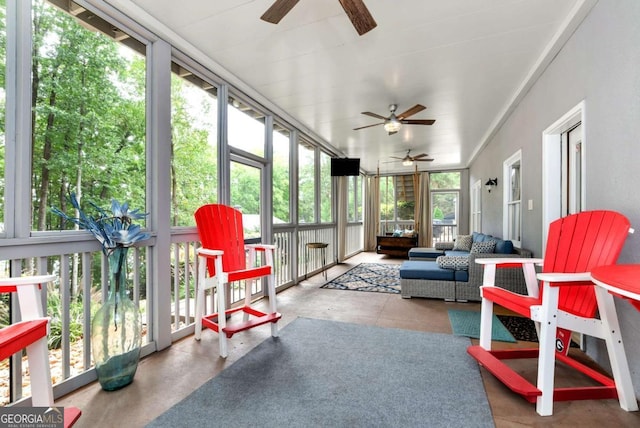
[{"x": 54, "y": 307}]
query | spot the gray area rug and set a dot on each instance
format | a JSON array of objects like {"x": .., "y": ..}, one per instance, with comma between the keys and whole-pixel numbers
[
  {"x": 377, "y": 277},
  {"x": 332, "y": 374}
]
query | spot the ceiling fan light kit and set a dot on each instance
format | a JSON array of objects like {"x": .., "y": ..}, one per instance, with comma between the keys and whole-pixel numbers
[
  {"x": 392, "y": 125},
  {"x": 408, "y": 160},
  {"x": 393, "y": 122}
]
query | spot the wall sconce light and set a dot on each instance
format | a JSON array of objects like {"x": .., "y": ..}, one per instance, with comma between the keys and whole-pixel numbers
[{"x": 490, "y": 183}]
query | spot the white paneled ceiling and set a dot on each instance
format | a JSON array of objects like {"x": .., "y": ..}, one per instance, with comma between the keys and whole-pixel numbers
[{"x": 465, "y": 60}]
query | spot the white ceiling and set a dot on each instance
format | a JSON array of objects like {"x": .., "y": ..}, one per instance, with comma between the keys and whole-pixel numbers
[{"x": 467, "y": 61}]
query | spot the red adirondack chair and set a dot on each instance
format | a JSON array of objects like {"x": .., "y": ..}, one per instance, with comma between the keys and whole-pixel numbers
[
  {"x": 222, "y": 260},
  {"x": 31, "y": 334},
  {"x": 565, "y": 302}
]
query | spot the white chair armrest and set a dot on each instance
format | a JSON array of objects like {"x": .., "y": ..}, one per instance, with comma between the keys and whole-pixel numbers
[
  {"x": 27, "y": 280},
  {"x": 564, "y": 277},
  {"x": 206, "y": 252},
  {"x": 28, "y": 289},
  {"x": 498, "y": 261},
  {"x": 261, "y": 246}
]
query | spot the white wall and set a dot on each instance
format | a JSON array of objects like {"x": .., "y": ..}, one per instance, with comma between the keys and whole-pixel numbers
[{"x": 599, "y": 64}]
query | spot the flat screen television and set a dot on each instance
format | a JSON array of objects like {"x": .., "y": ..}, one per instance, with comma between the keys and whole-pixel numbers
[{"x": 345, "y": 166}]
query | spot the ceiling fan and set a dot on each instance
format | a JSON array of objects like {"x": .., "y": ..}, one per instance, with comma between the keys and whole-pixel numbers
[
  {"x": 408, "y": 160},
  {"x": 393, "y": 123},
  {"x": 355, "y": 9}
]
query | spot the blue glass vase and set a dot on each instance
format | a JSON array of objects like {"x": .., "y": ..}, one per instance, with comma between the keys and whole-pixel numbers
[{"x": 116, "y": 331}]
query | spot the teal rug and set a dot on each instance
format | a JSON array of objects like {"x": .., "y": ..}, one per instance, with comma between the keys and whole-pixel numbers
[
  {"x": 322, "y": 373},
  {"x": 467, "y": 323},
  {"x": 376, "y": 277}
]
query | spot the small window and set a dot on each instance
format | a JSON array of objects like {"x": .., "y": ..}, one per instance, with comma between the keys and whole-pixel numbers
[
  {"x": 512, "y": 198},
  {"x": 476, "y": 206}
]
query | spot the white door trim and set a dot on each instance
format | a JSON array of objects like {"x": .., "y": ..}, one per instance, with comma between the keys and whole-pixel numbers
[{"x": 551, "y": 165}]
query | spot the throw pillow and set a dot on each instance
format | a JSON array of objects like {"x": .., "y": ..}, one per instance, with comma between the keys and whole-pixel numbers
[
  {"x": 463, "y": 243},
  {"x": 504, "y": 247},
  {"x": 453, "y": 262},
  {"x": 483, "y": 247}
]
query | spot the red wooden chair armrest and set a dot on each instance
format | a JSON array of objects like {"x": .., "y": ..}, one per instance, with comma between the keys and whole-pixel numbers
[{"x": 558, "y": 279}]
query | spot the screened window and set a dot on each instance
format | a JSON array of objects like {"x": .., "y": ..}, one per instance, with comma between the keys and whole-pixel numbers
[
  {"x": 326, "y": 213},
  {"x": 281, "y": 176},
  {"x": 354, "y": 209},
  {"x": 194, "y": 142},
  {"x": 397, "y": 203},
  {"x": 387, "y": 203},
  {"x": 306, "y": 182},
  {"x": 89, "y": 113},
  {"x": 246, "y": 127}
]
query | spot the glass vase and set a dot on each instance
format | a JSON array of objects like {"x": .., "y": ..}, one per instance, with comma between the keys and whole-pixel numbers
[{"x": 116, "y": 334}]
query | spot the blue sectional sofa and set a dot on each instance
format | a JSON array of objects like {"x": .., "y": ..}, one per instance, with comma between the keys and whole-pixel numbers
[{"x": 456, "y": 276}]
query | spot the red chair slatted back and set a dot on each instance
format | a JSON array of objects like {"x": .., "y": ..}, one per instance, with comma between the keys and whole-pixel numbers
[
  {"x": 579, "y": 243},
  {"x": 220, "y": 228}
]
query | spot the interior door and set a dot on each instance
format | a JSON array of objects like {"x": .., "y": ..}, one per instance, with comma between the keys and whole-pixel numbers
[{"x": 444, "y": 215}]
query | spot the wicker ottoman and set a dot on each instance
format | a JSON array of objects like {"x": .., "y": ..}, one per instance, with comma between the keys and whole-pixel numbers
[{"x": 426, "y": 279}]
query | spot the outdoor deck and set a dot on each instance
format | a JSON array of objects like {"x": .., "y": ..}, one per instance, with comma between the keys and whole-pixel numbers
[{"x": 167, "y": 377}]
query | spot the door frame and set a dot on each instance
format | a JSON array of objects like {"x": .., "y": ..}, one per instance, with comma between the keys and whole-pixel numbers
[{"x": 552, "y": 165}]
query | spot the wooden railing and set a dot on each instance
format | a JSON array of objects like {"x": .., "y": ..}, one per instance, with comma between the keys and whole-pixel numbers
[
  {"x": 441, "y": 232},
  {"x": 82, "y": 269}
]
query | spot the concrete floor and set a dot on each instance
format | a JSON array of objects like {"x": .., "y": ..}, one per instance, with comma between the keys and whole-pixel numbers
[{"x": 166, "y": 377}]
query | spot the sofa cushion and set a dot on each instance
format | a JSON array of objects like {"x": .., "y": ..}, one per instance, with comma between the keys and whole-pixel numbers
[
  {"x": 483, "y": 247},
  {"x": 456, "y": 253},
  {"x": 461, "y": 275},
  {"x": 463, "y": 243},
  {"x": 453, "y": 262},
  {"x": 414, "y": 269}
]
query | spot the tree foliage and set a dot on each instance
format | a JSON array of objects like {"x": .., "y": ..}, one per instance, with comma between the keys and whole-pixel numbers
[{"x": 88, "y": 117}]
